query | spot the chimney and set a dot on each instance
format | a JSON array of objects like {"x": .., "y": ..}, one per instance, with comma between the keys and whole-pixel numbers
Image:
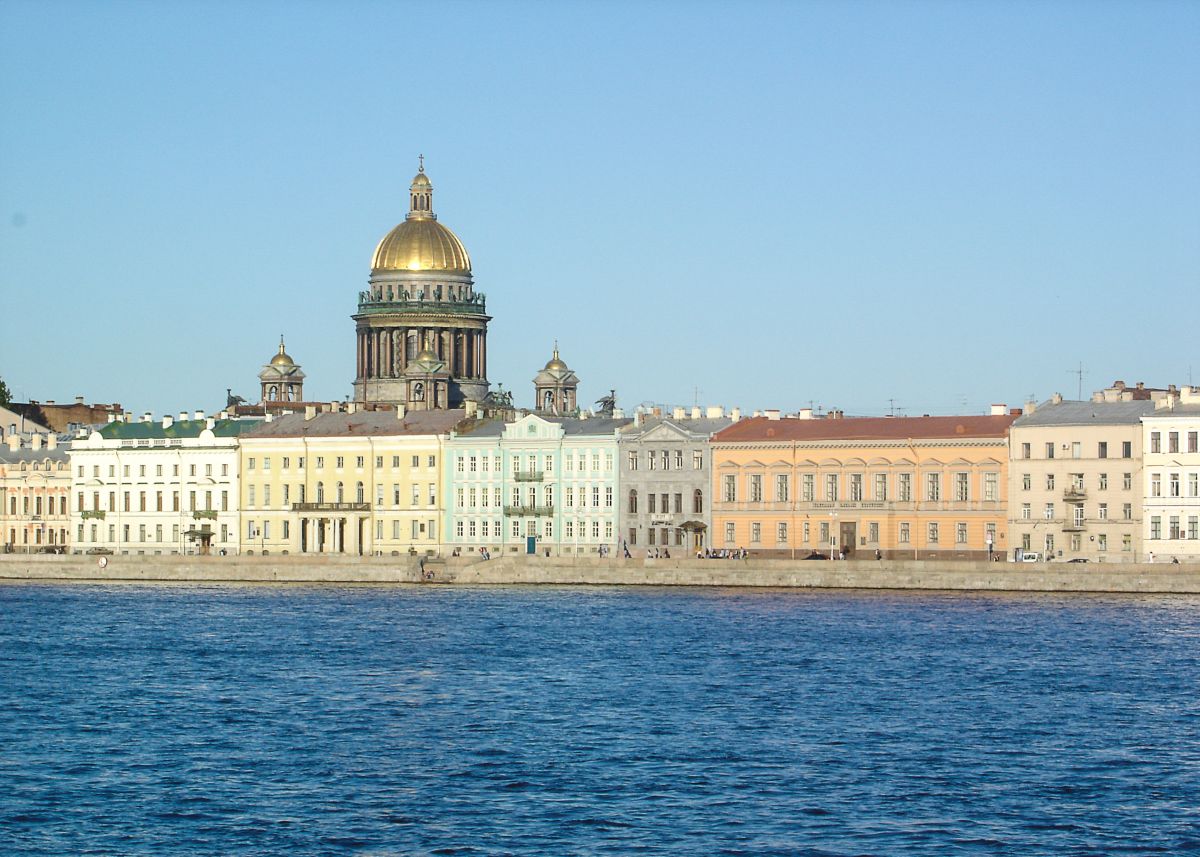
[
  {"x": 1056, "y": 399},
  {"x": 351, "y": 407},
  {"x": 677, "y": 413},
  {"x": 618, "y": 413},
  {"x": 183, "y": 416},
  {"x": 79, "y": 400},
  {"x": 168, "y": 422},
  {"x": 199, "y": 415},
  {"x": 1014, "y": 412},
  {"x": 696, "y": 412},
  {"x": 269, "y": 417},
  {"x": 35, "y": 441},
  {"x": 49, "y": 401},
  {"x": 147, "y": 417},
  {"x": 112, "y": 418},
  {"x": 714, "y": 412},
  {"x": 224, "y": 415},
  {"x": 637, "y": 419},
  {"x": 999, "y": 410},
  {"x": 14, "y": 442},
  {"x": 770, "y": 413},
  {"x": 210, "y": 423},
  {"x": 401, "y": 410},
  {"x": 472, "y": 409},
  {"x": 310, "y": 411},
  {"x": 805, "y": 414},
  {"x": 51, "y": 441},
  {"x": 1030, "y": 406}
]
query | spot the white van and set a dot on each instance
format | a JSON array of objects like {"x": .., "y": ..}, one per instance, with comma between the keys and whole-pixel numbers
[{"x": 1031, "y": 556}]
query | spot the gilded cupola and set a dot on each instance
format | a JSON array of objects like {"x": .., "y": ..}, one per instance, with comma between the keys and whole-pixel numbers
[{"x": 420, "y": 243}]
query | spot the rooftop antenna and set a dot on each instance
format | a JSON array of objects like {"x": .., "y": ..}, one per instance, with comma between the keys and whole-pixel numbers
[
  {"x": 696, "y": 395},
  {"x": 1079, "y": 373}
]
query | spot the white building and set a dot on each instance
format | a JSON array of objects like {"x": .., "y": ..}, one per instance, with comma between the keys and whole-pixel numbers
[
  {"x": 541, "y": 483},
  {"x": 1171, "y": 471},
  {"x": 165, "y": 486}
]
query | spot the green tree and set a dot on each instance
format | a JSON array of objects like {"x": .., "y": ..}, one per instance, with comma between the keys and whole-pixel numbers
[{"x": 5, "y": 393}]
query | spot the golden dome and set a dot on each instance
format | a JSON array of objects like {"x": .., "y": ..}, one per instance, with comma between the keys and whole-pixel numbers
[
  {"x": 421, "y": 244},
  {"x": 555, "y": 363},
  {"x": 282, "y": 358}
]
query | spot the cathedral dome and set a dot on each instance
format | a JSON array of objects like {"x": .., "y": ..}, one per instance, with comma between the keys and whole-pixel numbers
[
  {"x": 282, "y": 358},
  {"x": 420, "y": 243}
]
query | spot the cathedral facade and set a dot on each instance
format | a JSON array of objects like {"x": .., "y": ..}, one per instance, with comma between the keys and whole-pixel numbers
[{"x": 421, "y": 326}]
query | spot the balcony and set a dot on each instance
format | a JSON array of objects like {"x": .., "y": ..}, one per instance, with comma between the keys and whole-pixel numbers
[
  {"x": 197, "y": 514},
  {"x": 331, "y": 507},
  {"x": 1074, "y": 493},
  {"x": 529, "y": 475},
  {"x": 92, "y": 513},
  {"x": 535, "y": 511}
]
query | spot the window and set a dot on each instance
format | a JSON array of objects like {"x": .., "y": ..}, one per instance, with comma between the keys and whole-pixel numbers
[
  {"x": 729, "y": 533},
  {"x": 1173, "y": 530},
  {"x": 697, "y": 501},
  {"x": 340, "y": 462},
  {"x": 1173, "y": 484},
  {"x": 756, "y": 494},
  {"x": 651, "y": 458},
  {"x": 1049, "y": 449},
  {"x": 1049, "y": 481},
  {"x": 831, "y": 486},
  {"x": 781, "y": 533},
  {"x": 991, "y": 487},
  {"x": 596, "y": 498},
  {"x": 873, "y": 532},
  {"x": 1102, "y": 541},
  {"x": 1127, "y": 542},
  {"x": 1102, "y": 449},
  {"x": 933, "y": 486},
  {"x": 1193, "y": 485},
  {"x": 1156, "y": 527},
  {"x": 825, "y": 533},
  {"x": 1193, "y": 442},
  {"x": 267, "y": 495},
  {"x": 904, "y": 487},
  {"x": 459, "y": 464},
  {"x": 1026, "y": 452},
  {"x": 1127, "y": 449},
  {"x": 651, "y": 502},
  {"x": 679, "y": 459},
  {"x": 1102, "y": 512},
  {"x": 856, "y": 487},
  {"x": 961, "y": 483},
  {"x": 807, "y": 491},
  {"x": 729, "y": 489},
  {"x": 249, "y": 464},
  {"x": 608, "y": 496},
  {"x": 1155, "y": 441},
  {"x": 1026, "y": 511},
  {"x": 960, "y": 533},
  {"x": 633, "y": 499},
  {"x": 1102, "y": 482},
  {"x": 933, "y": 532},
  {"x": 1155, "y": 485},
  {"x": 1127, "y": 481},
  {"x": 1049, "y": 544},
  {"x": 1193, "y": 527},
  {"x": 698, "y": 458},
  {"x": 1127, "y": 511},
  {"x": 1049, "y": 512},
  {"x": 320, "y": 461},
  {"x": 1173, "y": 441},
  {"x": 905, "y": 535},
  {"x": 1076, "y": 449},
  {"x": 755, "y": 532},
  {"x": 881, "y": 486},
  {"x": 781, "y": 488}
]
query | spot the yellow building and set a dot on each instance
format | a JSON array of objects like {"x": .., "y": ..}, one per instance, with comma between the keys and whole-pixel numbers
[
  {"x": 350, "y": 482},
  {"x": 908, "y": 487}
]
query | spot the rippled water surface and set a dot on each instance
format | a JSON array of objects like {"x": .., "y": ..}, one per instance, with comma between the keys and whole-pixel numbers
[{"x": 427, "y": 720}]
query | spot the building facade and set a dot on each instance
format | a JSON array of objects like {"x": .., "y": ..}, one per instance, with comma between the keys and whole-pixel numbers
[
  {"x": 35, "y": 488},
  {"x": 908, "y": 487},
  {"x": 666, "y": 479},
  {"x": 1170, "y": 484},
  {"x": 420, "y": 300},
  {"x": 1075, "y": 477},
  {"x": 536, "y": 484},
  {"x": 157, "y": 487},
  {"x": 345, "y": 482}
]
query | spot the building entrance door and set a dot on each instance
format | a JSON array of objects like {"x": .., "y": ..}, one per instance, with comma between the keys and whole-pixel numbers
[{"x": 849, "y": 537}]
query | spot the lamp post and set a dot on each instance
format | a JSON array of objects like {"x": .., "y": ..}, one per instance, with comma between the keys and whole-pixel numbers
[{"x": 832, "y": 534}]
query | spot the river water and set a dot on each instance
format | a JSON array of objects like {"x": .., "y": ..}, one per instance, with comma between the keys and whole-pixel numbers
[{"x": 197, "y": 720}]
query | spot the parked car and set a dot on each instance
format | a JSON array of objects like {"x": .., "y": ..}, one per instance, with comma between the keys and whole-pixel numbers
[
  {"x": 1031, "y": 556},
  {"x": 1078, "y": 559},
  {"x": 99, "y": 551},
  {"x": 816, "y": 556}
]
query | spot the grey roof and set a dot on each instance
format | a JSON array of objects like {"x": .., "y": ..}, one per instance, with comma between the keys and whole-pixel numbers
[
  {"x": 59, "y": 453},
  {"x": 1069, "y": 413},
  {"x": 1177, "y": 411},
  {"x": 704, "y": 427},
  {"x": 571, "y": 426},
  {"x": 360, "y": 424}
]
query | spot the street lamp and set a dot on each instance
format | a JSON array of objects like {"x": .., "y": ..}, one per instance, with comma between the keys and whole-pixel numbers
[{"x": 832, "y": 534}]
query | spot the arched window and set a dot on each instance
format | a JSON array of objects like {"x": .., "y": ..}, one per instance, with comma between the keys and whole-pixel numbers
[
  {"x": 358, "y": 493},
  {"x": 697, "y": 501},
  {"x": 340, "y": 493},
  {"x": 632, "y": 500},
  {"x": 320, "y": 492}
]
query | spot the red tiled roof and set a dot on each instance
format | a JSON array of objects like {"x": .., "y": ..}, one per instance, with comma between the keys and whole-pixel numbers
[{"x": 762, "y": 429}]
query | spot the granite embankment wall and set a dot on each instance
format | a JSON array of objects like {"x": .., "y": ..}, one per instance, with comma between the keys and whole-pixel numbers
[{"x": 865, "y": 574}]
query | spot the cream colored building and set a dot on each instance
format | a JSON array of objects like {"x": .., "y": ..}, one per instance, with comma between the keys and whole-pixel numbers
[
  {"x": 1171, "y": 478},
  {"x": 349, "y": 481},
  {"x": 1075, "y": 480},
  {"x": 35, "y": 486},
  {"x": 149, "y": 486}
]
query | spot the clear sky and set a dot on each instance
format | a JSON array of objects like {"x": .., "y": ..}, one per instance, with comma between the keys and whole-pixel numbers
[{"x": 941, "y": 204}]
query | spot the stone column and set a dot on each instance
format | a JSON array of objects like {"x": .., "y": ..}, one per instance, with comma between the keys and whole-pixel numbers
[{"x": 483, "y": 354}]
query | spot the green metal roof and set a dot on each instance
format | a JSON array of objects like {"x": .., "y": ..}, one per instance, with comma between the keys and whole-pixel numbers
[{"x": 179, "y": 429}]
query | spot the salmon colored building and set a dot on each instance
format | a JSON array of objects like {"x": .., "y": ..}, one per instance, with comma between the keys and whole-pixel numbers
[{"x": 909, "y": 487}]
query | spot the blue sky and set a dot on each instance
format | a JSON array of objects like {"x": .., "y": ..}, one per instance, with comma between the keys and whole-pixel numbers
[{"x": 941, "y": 204}]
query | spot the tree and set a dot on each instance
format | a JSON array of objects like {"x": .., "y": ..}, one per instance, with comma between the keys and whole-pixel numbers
[{"x": 5, "y": 393}]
